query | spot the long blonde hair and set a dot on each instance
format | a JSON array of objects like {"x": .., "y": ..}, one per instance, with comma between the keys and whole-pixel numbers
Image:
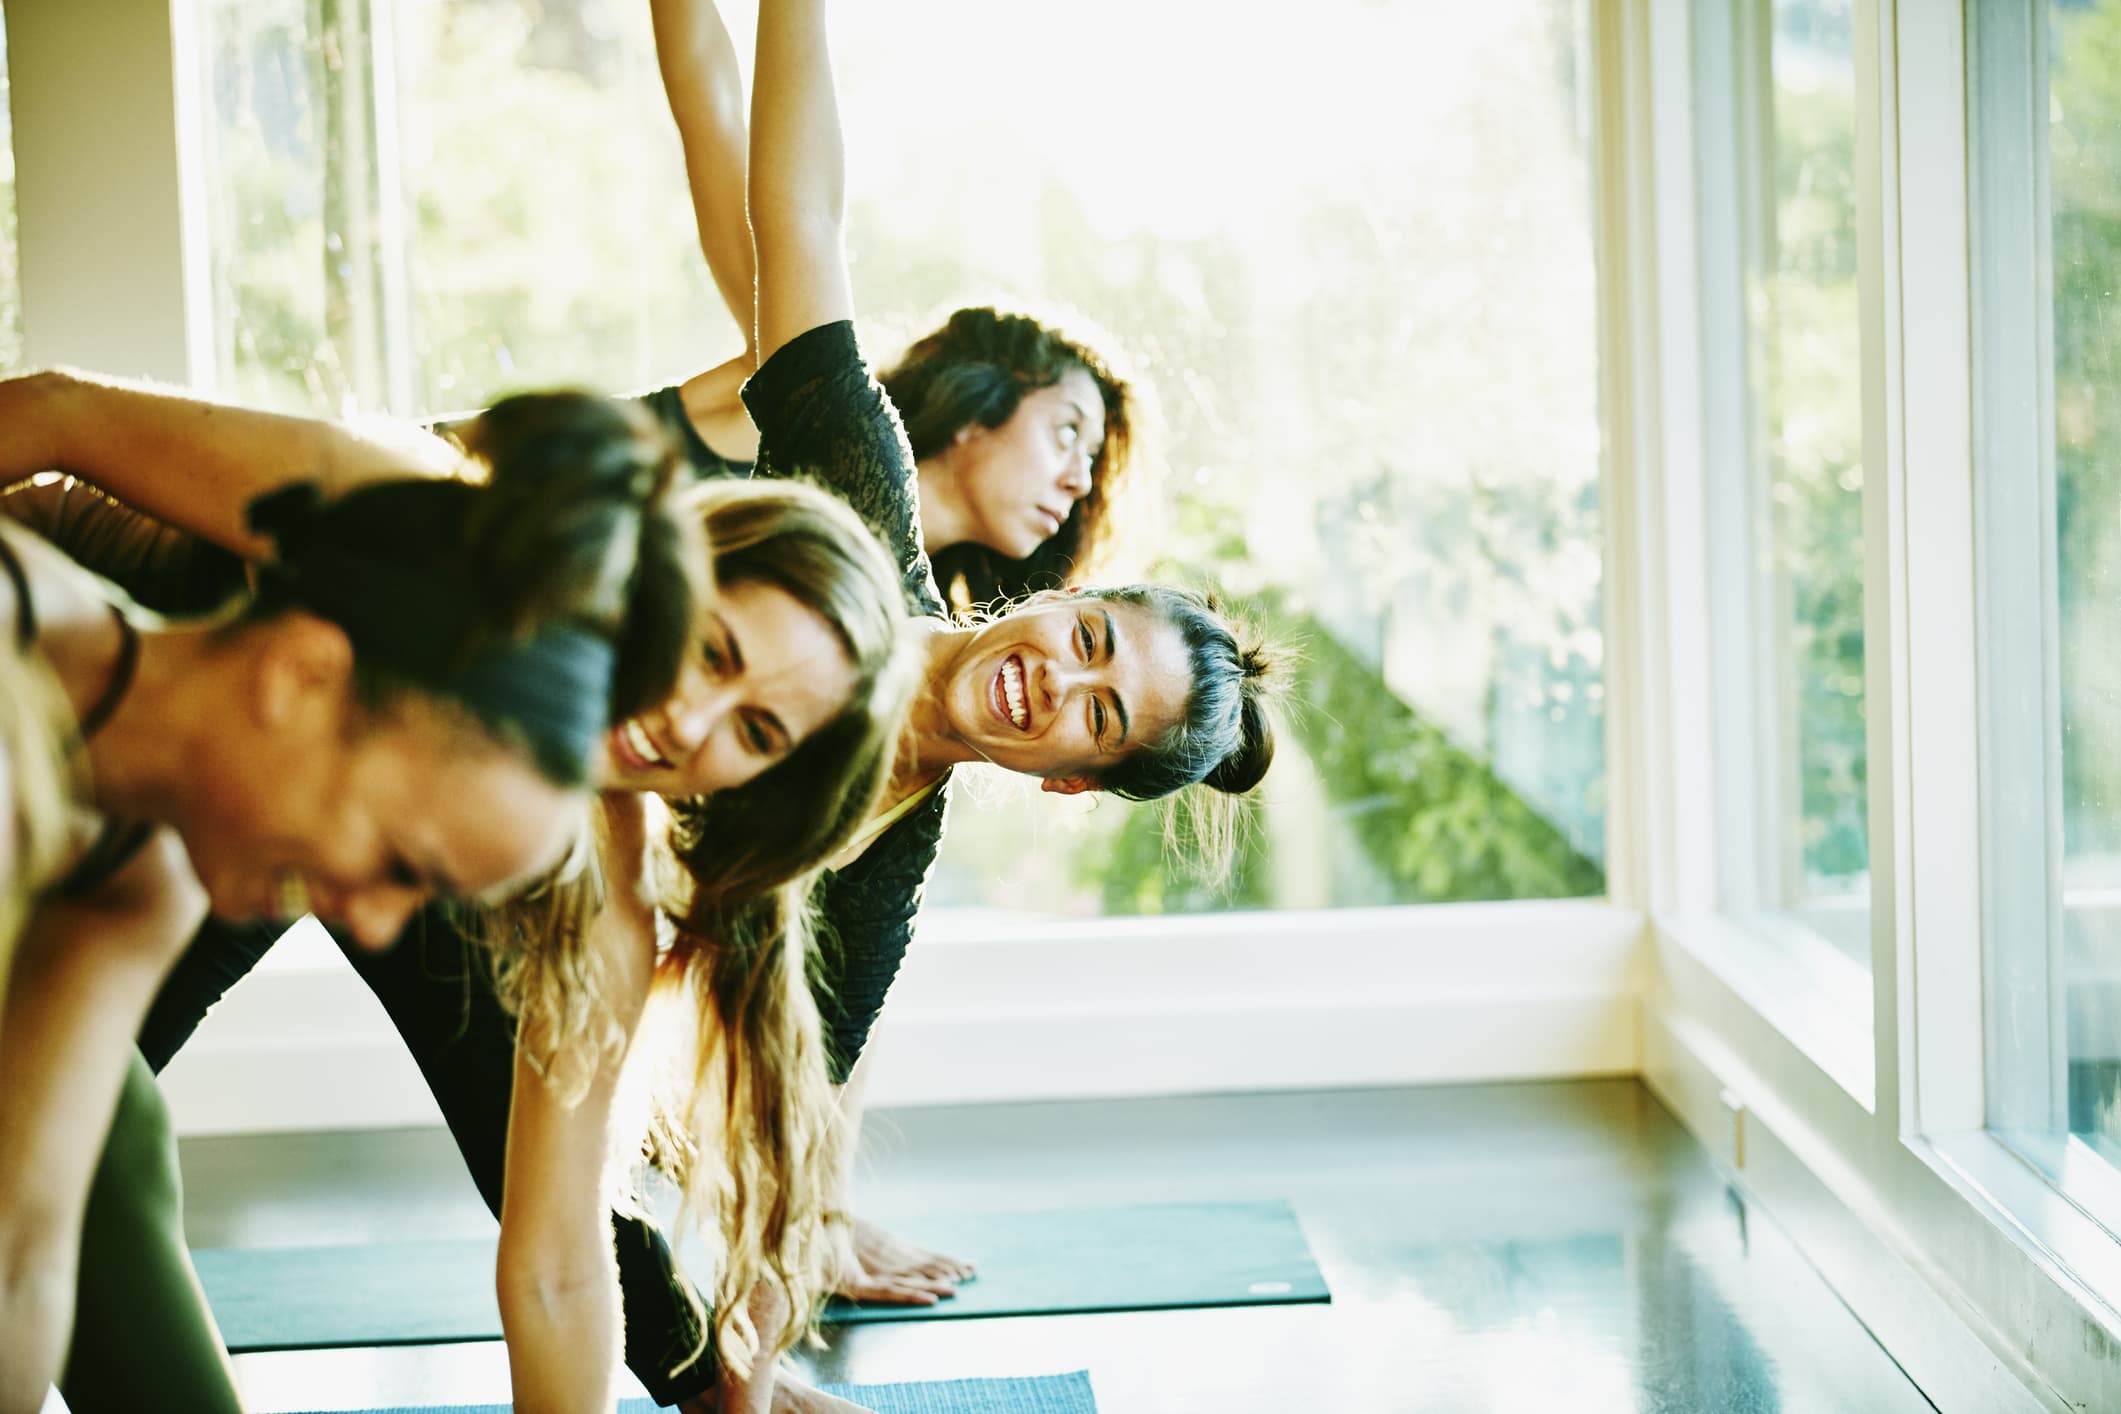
[
  {"x": 741, "y": 1121},
  {"x": 745, "y": 1133}
]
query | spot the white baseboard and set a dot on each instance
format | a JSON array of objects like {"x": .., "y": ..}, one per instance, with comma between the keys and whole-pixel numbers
[{"x": 1118, "y": 1007}]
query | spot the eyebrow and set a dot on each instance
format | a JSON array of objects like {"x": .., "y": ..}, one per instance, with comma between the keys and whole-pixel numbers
[
  {"x": 1111, "y": 648},
  {"x": 1082, "y": 411},
  {"x": 733, "y": 650}
]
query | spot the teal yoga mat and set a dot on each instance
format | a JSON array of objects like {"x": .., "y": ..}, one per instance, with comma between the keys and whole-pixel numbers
[
  {"x": 1044, "y": 1394},
  {"x": 1152, "y": 1258},
  {"x": 1085, "y": 1259}
]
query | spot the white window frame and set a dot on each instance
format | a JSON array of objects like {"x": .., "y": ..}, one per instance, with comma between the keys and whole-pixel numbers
[{"x": 1929, "y": 1226}]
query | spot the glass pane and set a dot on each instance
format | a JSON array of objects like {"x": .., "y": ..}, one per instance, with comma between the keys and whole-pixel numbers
[
  {"x": 421, "y": 205},
  {"x": 1374, "y": 361},
  {"x": 1807, "y": 364},
  {"x": 10, "y": 271},
  {"x": 2084, "y": 132}
]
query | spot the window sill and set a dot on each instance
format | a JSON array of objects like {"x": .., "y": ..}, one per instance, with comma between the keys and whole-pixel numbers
[
  {"x": 1799, "y": 983},
  {"x": 2057, "y": 1198}
]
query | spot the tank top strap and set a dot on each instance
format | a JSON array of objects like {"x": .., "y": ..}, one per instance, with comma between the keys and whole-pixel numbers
[
  {"x": 112, "y": 849},
  {"x": 121, "y": 676},
  {"x": 25, "y": 607}
]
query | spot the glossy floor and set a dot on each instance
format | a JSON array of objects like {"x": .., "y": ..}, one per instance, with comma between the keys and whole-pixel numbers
[{"x": 1491, "y": 1248}]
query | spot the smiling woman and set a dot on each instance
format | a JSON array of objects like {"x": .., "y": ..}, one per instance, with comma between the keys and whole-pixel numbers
[{"x": 1065, "y": 689}]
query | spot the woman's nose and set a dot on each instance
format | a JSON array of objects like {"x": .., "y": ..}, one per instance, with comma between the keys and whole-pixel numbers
[
  {"x": 1075, "y": 476},
  {"x": 690, "y": 719},
  {"x": 1057, "y": 677}
]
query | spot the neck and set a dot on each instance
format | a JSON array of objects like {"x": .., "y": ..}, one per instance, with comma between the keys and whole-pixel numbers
[
  {"x": 935, "y": 746},
  {"x": 944, "y": 519},
  {"x": 140, "y": 759}
]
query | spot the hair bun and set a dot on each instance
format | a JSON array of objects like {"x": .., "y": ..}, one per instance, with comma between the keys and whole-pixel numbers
[
  {"x": 290, "y": 516},
  {"x": 1248, "y": 761}
]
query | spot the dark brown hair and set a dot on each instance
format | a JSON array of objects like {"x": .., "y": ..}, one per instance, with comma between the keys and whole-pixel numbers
[{"x": 974, "y": 371}]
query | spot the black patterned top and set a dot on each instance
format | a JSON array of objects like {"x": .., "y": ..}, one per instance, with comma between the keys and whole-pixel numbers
[{"x": 821, "y": 414}]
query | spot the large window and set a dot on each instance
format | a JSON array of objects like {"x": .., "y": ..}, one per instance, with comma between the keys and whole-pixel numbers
[
  {"x": 10, "y": 271},
  {"x": 1362, "y": 291},
  {"x": 1804, "y": 363}
]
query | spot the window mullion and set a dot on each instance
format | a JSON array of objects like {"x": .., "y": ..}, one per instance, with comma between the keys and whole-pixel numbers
[{"x": 2021, "y": 776}]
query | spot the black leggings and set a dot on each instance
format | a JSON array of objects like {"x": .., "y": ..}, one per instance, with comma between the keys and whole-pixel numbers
[
  {"x": 143, "y": 1336},
  {"x": 439, "y": 994}
]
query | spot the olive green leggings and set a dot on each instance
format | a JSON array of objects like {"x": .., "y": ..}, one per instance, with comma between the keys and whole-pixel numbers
[{"x": 143, "y": 1337}]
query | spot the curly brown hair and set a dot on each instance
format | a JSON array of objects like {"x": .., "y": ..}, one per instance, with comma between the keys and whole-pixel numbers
[{"x": 974, "y": 371}]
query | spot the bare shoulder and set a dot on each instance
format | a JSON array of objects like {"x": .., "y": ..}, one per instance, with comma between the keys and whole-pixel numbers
[
  {"x": 149, "y": 905},
  {"x": 56, "y": 584}
]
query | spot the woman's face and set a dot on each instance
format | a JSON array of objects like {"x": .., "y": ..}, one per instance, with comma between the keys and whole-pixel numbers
[
  {"x": 768, "y": 671},
  {"x": 1066, "y": 688},
  {"x": 308, "y": 805},
  {"x": 1020, "y": 480}
]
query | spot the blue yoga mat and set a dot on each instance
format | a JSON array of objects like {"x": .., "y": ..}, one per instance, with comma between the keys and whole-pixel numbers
[
  {"x": 1090, "y": 1259},
  {"x": 1044, "y": 1394}
]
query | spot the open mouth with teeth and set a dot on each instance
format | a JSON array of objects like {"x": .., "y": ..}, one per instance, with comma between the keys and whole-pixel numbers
[
  {"x": 286, "y": 896},
  {"x": 1008, "y": 690},
  {"x": 635, "y": 750}
]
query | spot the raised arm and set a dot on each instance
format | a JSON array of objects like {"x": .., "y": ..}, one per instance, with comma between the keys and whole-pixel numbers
[
  {"x": 188, "y": 462},
  {"x": 706, "y": 93},
  {"x": 797, "y": 178}
]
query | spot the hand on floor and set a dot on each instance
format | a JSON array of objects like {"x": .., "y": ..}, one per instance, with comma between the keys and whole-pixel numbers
[
  {"x": 891, "y": 1271},
  {"x": 792, "y": 1395}
]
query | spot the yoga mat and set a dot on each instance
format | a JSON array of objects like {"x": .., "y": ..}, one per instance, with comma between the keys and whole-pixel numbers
[
  {"x": 1044, "y": 1394},
  {"x": 1158, "y": 1257},
  {"x": 1086, "y": 1259}
]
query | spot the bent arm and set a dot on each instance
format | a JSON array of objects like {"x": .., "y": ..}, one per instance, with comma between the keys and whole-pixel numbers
[
  {"x": 191, "y": 463},
  {"x": 797, "y": 180}
]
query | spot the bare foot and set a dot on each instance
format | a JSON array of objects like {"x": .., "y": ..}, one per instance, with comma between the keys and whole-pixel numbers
[
  {"x": 793, "y": 1395},
  {"x": 891, "y": 1271}
]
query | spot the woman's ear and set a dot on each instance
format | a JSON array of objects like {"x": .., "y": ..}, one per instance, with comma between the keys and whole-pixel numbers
[
  {"x": 1068, "y": 785},
  {"x": 303, "y": 668}
]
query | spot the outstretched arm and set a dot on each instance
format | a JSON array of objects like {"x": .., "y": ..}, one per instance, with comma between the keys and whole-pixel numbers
[
  {"x": 797, "y": 178},
  {"x": 191, "y": 463},
  {"x": 706, "y": 93},
  {"x": 556, "y": 1276}
]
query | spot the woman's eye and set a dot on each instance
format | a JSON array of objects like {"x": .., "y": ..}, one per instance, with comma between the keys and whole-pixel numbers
[
  {"x": 1097, "y": 717},
  {"x": 756, "y": 737},
  {"x": 1088, "y": 640},
  {"x": 1068, "y": 434}
]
